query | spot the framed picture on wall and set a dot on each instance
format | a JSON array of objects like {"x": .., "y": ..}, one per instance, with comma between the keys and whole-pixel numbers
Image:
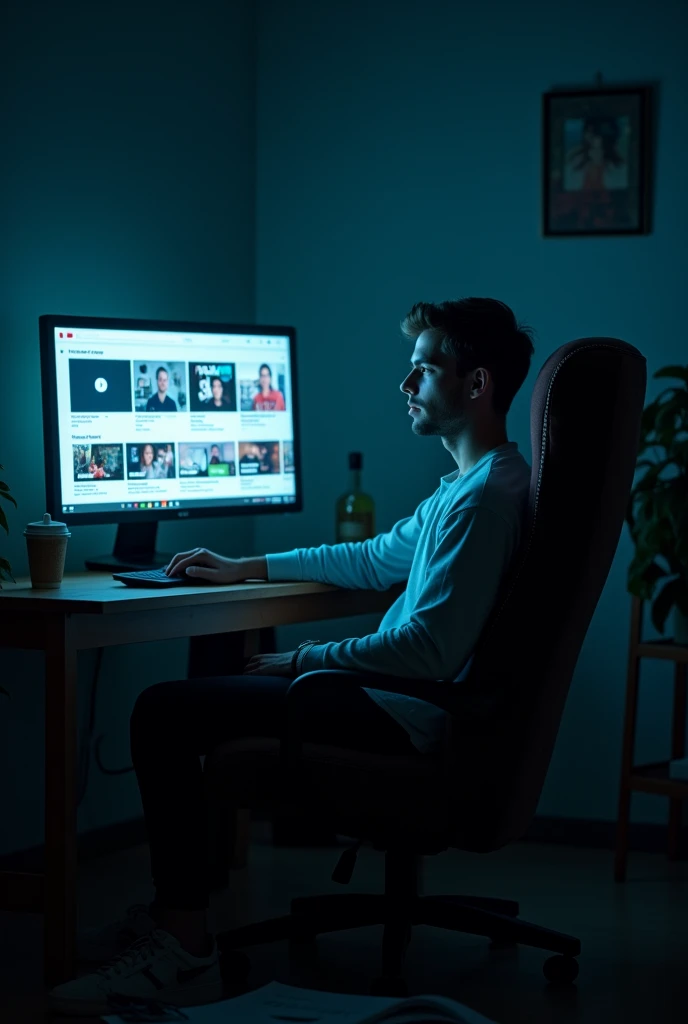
[{"x": 596, "y": 162}]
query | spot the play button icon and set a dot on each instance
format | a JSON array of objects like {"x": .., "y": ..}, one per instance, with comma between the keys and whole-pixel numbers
[{"x": 101, "y": 384}]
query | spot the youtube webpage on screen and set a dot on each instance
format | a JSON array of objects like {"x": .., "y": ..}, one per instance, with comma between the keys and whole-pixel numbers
[{"x": 152, "y": 419}]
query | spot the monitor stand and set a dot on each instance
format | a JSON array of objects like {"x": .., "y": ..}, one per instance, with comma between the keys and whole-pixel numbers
[{"x": 134, "y": 549}]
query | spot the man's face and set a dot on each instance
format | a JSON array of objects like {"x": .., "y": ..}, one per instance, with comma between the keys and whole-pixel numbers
[
  {"x": 265, "y": 378},
  {"x": 214, "y": 450},
  {"x": 217, "y": 389},
  {"x": 435, "y": 390},
  {"x": 163, "y": 381}
]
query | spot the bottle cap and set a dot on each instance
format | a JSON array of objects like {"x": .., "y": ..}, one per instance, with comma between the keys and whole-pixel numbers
[
  {"x": 355, "y": 460},
  {"x": 47, "y": 527}
]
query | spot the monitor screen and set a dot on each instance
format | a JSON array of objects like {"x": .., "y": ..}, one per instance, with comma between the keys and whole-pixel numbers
[{"x": 169, "y": 419}]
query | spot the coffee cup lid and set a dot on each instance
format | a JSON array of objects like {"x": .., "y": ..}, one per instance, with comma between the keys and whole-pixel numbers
[{"x": 47, "y": 527}]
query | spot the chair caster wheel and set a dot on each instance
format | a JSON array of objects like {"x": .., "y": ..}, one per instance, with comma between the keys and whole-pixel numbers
[
  {"x": 394, "y": 987},
  {"x": 561, "y": 970}
]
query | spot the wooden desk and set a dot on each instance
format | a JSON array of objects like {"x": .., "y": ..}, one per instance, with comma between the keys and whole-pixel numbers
[{"x": 92, "y": 610}]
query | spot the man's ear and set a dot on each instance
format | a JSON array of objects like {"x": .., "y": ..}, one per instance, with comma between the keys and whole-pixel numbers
[{"x": 480, "y": 382}]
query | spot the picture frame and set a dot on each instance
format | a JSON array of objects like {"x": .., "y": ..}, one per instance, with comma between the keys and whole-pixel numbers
[{"x": 596, "y": 161}]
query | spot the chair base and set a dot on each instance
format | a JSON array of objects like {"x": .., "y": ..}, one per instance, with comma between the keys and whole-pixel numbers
[{"x": 496, "y": 919}]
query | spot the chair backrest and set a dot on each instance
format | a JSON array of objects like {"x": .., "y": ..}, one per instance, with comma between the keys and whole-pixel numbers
[{"x": 585, "y": 428}]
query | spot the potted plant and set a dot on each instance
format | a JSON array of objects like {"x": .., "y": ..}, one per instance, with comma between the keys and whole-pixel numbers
[
  {"x": 658, "y": 507},
  {"x": 5, "y": 567}
]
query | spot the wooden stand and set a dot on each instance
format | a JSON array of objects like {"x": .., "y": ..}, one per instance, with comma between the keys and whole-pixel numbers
[{"x": 651, "y": 778}]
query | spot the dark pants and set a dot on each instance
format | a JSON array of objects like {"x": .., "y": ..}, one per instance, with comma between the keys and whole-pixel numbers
[{"x": 173, "y": 724}]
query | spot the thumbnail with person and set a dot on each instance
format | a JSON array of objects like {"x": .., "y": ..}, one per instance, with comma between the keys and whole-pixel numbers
[
  {"x": 100, "y": 385},
  {"x": 98, "y": 462},
  {"x": 148, "y": 461},
  {"x": 212, "y": 387},
  {"x": 262, "y": 387},
  {"x": 259, "y": 457},
  {"x": 159, "y": 386},
  {"x": 206, "y": 458},
  {"x": 288, "y": 456}
]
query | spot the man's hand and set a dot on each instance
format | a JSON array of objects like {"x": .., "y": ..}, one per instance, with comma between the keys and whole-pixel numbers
[
  {"x": 270, "y": 665},
  {"x": 206, "y": 565}
]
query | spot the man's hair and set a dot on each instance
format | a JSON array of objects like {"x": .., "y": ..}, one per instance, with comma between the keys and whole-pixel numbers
[
  {"x": 264, "y": 366},
  {"x": 219, "y": 379},
  {"x": 160, "y": 369},
  {"x": 478, "y": 332}
]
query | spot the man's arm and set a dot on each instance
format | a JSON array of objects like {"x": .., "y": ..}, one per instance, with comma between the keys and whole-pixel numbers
[
  {"x": 255, "y": 568},
  {"x": 374, "y": 564},
  {"x": 474, "y": 550}
]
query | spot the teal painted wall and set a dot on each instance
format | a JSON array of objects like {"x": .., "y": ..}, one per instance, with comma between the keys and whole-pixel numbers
[
  {"x": 398, "y": 160},
  {"x": 398, "y": 155},
  {"x": 128, "y": 190}
]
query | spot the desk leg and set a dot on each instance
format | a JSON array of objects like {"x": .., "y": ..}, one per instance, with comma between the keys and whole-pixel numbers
[
  {"x": 678, "y": 750},
  {"x": 60, "y": 802}
]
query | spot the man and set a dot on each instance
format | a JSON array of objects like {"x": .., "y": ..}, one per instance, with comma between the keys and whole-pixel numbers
[
  {"x": 267, "y": 399},
  {"x": 469, "y": 360},
  {"x": 161, "y": 401},
  {"x": 165, "y": 461}
]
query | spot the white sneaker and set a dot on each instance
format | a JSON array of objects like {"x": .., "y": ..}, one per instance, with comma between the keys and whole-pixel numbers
[
  {"x": 98, "y": 945},
  {"x": 154, "y": 967}
]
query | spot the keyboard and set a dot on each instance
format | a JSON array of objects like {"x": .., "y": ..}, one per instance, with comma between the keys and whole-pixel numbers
[{"x": 154, "y": 578}]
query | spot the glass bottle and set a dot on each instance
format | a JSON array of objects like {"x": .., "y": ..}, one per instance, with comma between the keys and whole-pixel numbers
[{"x": 355, "y": 511}]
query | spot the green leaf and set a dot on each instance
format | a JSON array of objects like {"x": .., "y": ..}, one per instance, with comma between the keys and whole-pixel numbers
[
  {"x": 651, "y": 476},
  {"x": 6, "y": 570},
  {"x": 8, "y": 497},
  {"x": 3, "y": 520},
  {"x": 647, "y": 419},
  {"x": 673, "y": 407},
  {"x": 680, "y": 372},
  {"x": 669, "y": 596},
  {"x": 643, "y": 576}
]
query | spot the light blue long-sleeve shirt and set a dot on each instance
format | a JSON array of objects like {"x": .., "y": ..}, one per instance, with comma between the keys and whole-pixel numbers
[{"x": 454, "y": 552}]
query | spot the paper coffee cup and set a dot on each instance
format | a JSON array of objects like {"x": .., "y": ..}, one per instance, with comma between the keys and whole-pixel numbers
[{"x": 46, "y": 543}]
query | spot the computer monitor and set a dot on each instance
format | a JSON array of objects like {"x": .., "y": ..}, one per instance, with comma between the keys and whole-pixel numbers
[{"x": 150, "y": 420}]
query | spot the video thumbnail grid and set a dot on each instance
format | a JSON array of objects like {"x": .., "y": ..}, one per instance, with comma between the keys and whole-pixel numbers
[
  {"x": 167, "y": 460},
  {"x": 155, "y": 386}
]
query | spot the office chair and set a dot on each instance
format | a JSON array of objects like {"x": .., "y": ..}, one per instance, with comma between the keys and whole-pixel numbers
[{"x": 481, "y": 790}]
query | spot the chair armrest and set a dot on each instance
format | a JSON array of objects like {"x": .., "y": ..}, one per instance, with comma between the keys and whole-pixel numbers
[{"x": 442, "y": 694}]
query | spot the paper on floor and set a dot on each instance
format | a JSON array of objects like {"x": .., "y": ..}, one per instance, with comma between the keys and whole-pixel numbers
[{"x": 285, "y": 1004}]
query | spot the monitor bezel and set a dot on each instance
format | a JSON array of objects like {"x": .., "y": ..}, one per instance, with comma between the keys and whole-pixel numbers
[{"x": 53, "y": 483}]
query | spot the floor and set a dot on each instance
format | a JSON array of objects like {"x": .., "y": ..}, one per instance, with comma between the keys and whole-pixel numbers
[{"x": 634, "y": 936}]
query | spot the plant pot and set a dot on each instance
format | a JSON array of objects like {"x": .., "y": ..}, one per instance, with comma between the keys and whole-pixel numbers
[{"x": 680, "y": 627}]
